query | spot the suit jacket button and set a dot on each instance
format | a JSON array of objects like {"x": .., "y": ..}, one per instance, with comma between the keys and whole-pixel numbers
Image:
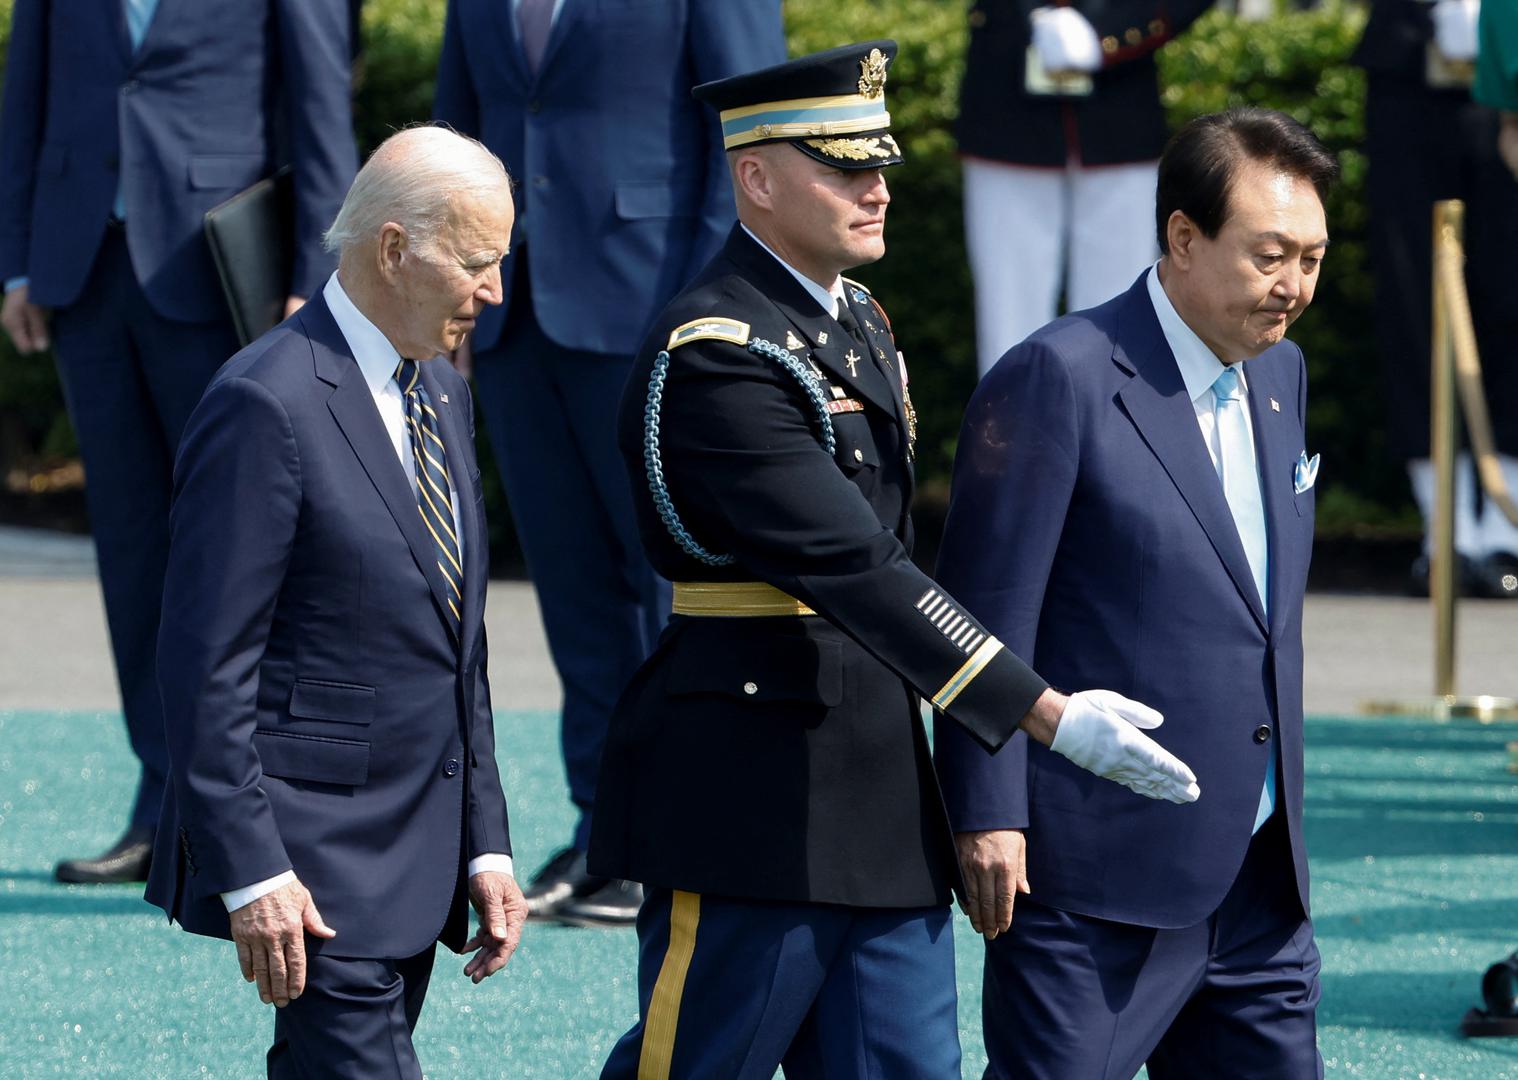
[
  {"x": 750, "y": 688},
  {"x": 1262, "y": 733},
  {"x": 451, "y": 768}
]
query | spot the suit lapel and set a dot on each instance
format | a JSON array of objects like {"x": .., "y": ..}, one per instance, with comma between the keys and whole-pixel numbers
[
  {"x": 455, "y": 437},
  {"x": 1276, "y": 447},
  {"x": 502, "y": 14},
  {"x": 559, "y": 32},
  {"x": 1157, "y": 402},
  {"x": 115, "y": 17},
  {"x": 882, "y": 344},
  {"x": 352, "y": 407},
  {"x": 157, "y": 26}
]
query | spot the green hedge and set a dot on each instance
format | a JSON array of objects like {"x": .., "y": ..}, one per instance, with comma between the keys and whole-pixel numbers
[{"x": 1297, "y": 62}]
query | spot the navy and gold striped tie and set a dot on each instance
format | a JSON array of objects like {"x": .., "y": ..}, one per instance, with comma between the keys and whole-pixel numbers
[{"x": 430, "y": 459}]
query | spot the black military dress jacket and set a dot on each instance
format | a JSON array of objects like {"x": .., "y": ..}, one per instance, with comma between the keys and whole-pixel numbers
[
  {"x": 1120, "y": 122},
  {"x": 783, "y": 757}
]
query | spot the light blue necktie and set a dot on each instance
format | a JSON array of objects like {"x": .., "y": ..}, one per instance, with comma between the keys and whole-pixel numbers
[
  {"x": 139, "y": 14},
  {"x": 1241, "y": 485}
]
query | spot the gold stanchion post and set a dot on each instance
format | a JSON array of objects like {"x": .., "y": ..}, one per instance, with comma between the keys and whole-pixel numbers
[{"x": 1448, "y": 264}]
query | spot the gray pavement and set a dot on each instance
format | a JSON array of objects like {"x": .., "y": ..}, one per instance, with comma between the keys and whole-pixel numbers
[{"x": 54, "y": 652}]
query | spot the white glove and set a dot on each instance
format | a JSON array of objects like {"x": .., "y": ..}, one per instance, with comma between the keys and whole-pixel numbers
[
  {"x": 1065, "y": 40},
  {"x": 1455, "y": 27},
  {"x": 1100, "y": 731}
]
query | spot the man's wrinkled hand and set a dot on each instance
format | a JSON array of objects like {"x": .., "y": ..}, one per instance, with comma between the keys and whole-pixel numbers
[
  {"x": 1103, "y": 732},
  {"x": 995, "y": 868},
  {"x": 502, "y": 909},
  {"x": 271, "y": 944},
  {"x": 24, "y": 321}
]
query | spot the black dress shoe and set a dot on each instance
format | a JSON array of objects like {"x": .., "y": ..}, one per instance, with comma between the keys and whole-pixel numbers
[
  {"x": 563, "y": 878},
  {"x": 1498, "y": 576},
  {"x": 615, "y": 904},
  {"x": 127, "y": 860},
  {"x": 1467, "y": 577}
]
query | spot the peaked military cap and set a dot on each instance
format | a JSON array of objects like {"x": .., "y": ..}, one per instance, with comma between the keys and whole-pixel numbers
[{"x": 829, "y": 105}]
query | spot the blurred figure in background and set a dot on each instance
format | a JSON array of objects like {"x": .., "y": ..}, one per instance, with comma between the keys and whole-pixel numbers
[
  {"x": 1497, "y": 74},
  {"x": 1427, "y": 140},
  {"x": 125, "y": 121},
  {"x": 624, "y": 196},
  {"x": 1061, "y": 129}
]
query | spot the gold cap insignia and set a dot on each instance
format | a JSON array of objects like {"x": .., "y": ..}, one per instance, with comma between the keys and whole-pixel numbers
[{"x": 872, "y": 74}]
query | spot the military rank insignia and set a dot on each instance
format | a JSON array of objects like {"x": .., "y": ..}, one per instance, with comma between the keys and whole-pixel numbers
[
  {"x": 792, "y": 342},
  {"x": 710, "y": 328}
]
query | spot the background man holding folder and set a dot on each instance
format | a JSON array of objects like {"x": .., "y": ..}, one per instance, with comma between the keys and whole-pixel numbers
[{"x": 124, "y": 121}]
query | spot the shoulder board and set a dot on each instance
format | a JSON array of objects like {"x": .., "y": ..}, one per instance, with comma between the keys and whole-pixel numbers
[
  {"x": 858, "y": 285},
  {"x": 710, "y": 328}
]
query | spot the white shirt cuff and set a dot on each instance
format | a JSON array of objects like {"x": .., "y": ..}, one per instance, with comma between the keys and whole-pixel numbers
[
  {"x": 491, "y": 862},
  {"x": 247, "y": 894}
]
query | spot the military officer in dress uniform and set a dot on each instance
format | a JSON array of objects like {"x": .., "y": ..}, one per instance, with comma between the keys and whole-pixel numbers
[
  {"x": 767, "y": 774},
  {"x": 1061, "y": 128}
]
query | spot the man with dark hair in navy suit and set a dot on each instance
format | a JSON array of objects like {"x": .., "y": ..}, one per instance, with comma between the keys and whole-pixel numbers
[
  {"x": 125, "y": 121},
  {"x": 624, "y": 196},
  {"x": 334, "y": 794},
  {"x": 1133, "y": 508}
]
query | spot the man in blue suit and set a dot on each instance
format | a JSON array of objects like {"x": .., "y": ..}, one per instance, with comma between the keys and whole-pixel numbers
[
  {"x": 125, "y": 121},
  {"x": 1133, "y": 508},
  {"x": 624, "y": 196},
  {"x": 334, "y": 791}
]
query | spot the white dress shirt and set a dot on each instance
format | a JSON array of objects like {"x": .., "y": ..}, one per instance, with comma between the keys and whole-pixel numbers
[
  {"x": 1199, "y": 366},
  {"x": 377, "y": 361}
]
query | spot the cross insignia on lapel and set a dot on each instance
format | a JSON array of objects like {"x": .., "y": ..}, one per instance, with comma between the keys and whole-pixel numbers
[{"x": 853, "y": 362}]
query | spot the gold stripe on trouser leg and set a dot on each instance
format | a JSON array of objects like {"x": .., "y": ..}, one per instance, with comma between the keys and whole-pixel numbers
[{"x": 664, "y": 1005}]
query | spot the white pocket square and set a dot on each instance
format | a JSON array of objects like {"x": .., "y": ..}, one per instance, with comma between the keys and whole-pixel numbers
[{"x": 1306, "y": 474}]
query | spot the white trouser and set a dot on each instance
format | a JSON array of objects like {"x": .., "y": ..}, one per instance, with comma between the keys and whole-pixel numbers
[
  {"x": 1021, "y": 222},
  {"x": 1476, "y": 535}
]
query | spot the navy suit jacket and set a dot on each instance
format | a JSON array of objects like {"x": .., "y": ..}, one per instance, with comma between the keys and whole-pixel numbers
[
  {"x": 320, "y": 714},
  {"x": 622, "y": 188},
  {"x": 1088, "y": 530},
  {"x": 220, "y": 94}
]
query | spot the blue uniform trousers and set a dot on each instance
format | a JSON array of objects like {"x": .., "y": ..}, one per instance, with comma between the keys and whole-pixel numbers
[
  {"x": 131, "y": 379},
  {"x": 737, "y": 988},
  {"x": 353, "y": 1021},
  {"x": 551, "y": 414},
  {"x": 1069, "y": 997}
]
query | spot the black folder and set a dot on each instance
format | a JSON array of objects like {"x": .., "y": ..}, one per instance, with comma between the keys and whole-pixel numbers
[{"x": 252, "y": 241}]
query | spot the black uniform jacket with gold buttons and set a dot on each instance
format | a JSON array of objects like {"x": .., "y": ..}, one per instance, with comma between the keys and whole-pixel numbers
[
  {"x": 1120, "y": 121},
  {"x": 783, "y": 756}
]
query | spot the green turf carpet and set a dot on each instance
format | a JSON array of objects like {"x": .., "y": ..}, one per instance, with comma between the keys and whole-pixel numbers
[{"x": 1413, "y": 829}]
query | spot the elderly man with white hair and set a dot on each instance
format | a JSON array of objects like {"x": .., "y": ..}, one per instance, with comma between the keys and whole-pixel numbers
[{"x": 334, "y": 795}]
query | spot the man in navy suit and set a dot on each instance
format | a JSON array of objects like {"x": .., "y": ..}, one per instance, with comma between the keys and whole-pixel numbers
[
  {"x": 624, "y": 196},
  {"x": 1133, "y": 508},
  {"x": 125, "y": 121},
  {"x": 334, "y": 794}
]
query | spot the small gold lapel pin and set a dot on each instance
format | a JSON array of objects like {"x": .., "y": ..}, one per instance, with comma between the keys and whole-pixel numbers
[
  {"x": 822, "y": 337},
  {"x": 1275, "y": 406},
  {"x": 792, "y": 342}
]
